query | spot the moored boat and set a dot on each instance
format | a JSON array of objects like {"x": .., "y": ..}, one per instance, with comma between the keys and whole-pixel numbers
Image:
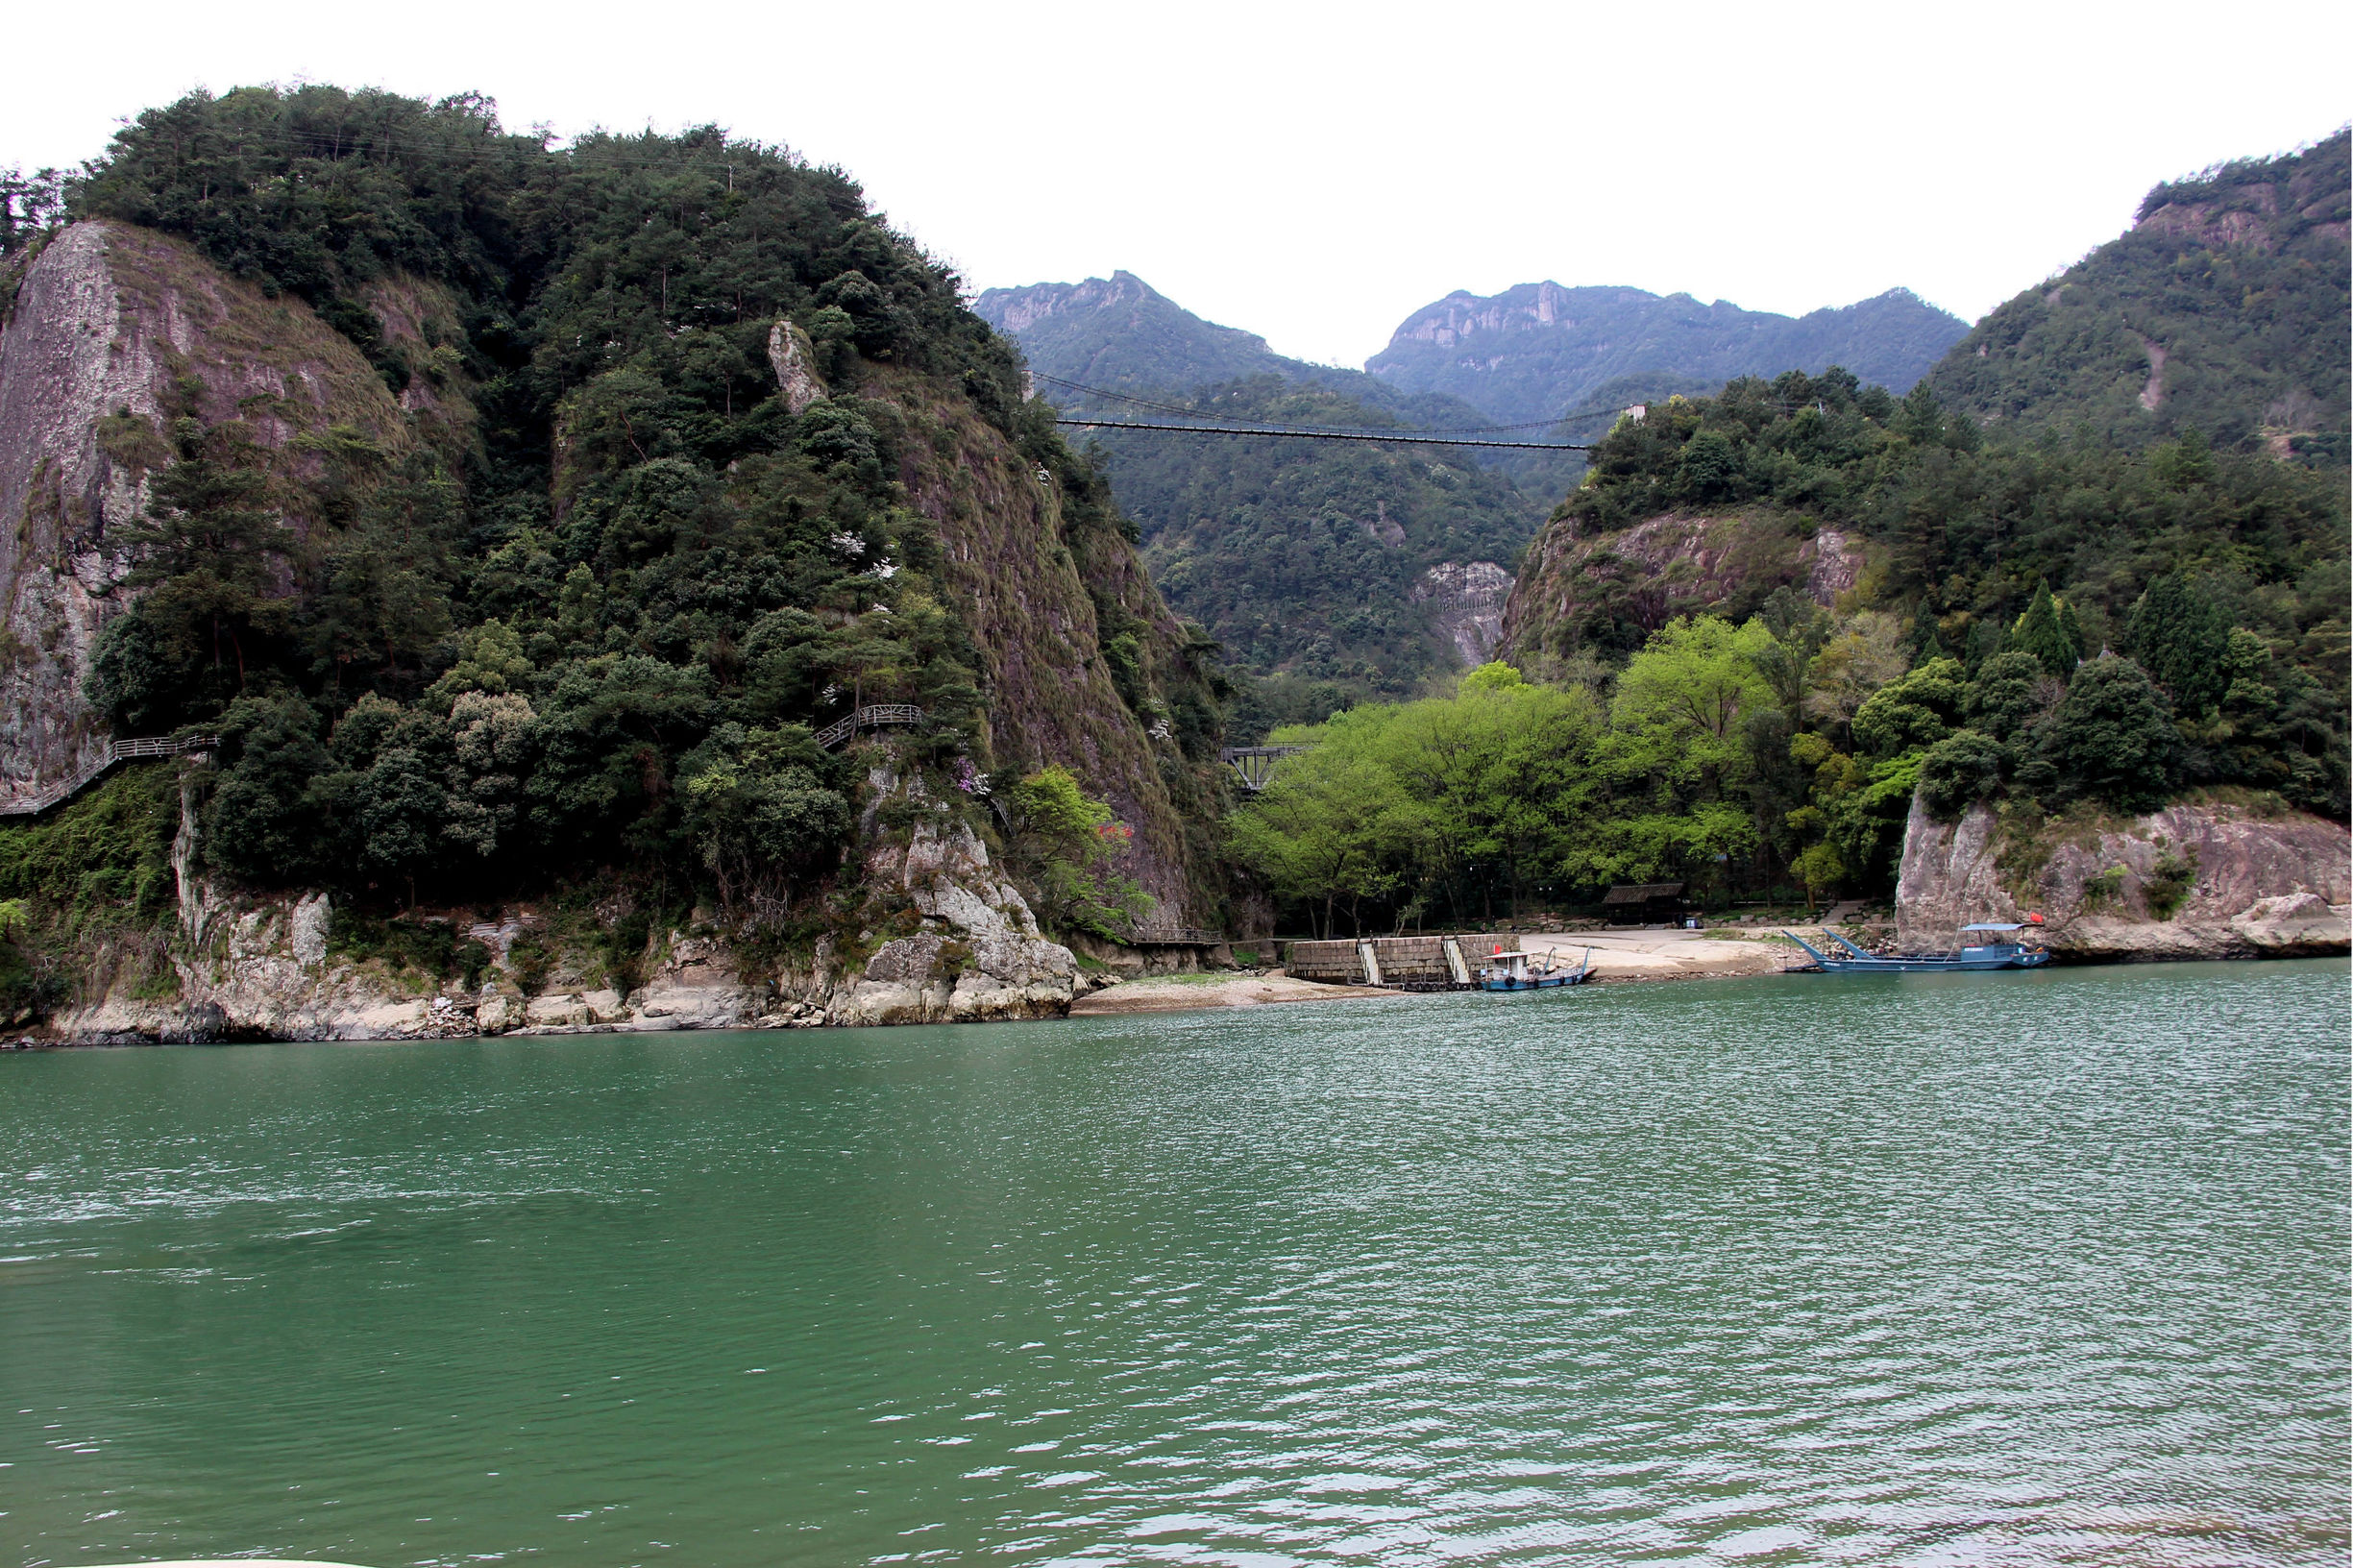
[
  {"x": 1982, "y": 955},
  {"x": 1517, "y": 970}
]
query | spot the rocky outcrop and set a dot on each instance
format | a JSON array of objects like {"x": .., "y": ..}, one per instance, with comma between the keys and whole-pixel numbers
[
  {"x": 1467, "y": 606},
  {"x": 260, "y": 969},
  {"x": 794, "y": 359},
  {"x": 1037, "y": 585},
  {"x": 977, "y": 954},
  {"x": 2190, "y": 881},
  {"x": 957, "y": 944},
  {"x": 1578, "y": 585},
  {"x": 113, "y": 332}
]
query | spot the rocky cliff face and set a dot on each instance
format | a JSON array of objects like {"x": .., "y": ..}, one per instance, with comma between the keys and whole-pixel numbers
[
  {"x": 2190, "y": 881},
  {"x": 1579, "y": 586},
  {"x": 1036, "y": 588},
  {"x": 113, "y": 332},
  {"x": 947, "y": 940},
  {"x": 1468, "y": 603}
]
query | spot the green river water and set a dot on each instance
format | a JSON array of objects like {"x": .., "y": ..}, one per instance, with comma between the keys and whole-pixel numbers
[{"x": 2027, "y": 1268}]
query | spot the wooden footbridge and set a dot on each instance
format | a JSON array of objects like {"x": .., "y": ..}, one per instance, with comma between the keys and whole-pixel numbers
[{"x": 117, "y": 752}]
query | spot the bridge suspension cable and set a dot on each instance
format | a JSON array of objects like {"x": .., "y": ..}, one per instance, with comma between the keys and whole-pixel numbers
[
  {"x": 1245, "y": 425},
  {"x": 1389, "y": 437},
  {"x": 1246, "y": 419}
]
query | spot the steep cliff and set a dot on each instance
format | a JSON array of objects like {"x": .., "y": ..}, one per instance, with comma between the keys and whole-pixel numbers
[
  {"x": 518, "y": 572},
  {"x": 1581, "y": 587},
  {"x": 113, "y": 332},
  {"x": 2190, "y": 881},
  {"x": 1049, "y": 585}
]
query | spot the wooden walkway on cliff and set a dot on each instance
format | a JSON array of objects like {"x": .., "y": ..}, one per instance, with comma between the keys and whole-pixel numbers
[
  {"x": 117, "y": 752},
  {"x": 873, "y": 715}
]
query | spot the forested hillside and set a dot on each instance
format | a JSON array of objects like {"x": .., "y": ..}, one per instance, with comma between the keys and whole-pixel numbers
[
  {"x": 2060, "y": 629},
  {"x": 2222, "y": 311},
  {"x": 1311, "y": 562},
  {"x": 1316, "y": 563},
  {"x": 679, "y": 453},
  {"x": 2096, "y": 561},
  {"x": 1537, "y": 350}
]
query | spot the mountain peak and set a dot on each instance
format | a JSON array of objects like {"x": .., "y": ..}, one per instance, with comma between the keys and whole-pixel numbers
[
  {"x": 1536, "y": 348},
  {"x": 1069, "y": 329}
]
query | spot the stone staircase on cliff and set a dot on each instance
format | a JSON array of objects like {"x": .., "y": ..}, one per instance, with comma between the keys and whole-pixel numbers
[{"x": 117, "y": 752}]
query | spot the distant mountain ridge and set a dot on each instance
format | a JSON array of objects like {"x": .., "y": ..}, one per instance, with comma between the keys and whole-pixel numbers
[
  {"x": 1123, "y": 334},
  {"x": 1336, "y": 567},
  {"x": 1539, "y": 349}
]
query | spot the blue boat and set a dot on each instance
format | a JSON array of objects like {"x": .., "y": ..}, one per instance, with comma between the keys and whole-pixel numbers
[
  {"x": 1985, "y": 955},
  {"x": 1531, "y": 972}
]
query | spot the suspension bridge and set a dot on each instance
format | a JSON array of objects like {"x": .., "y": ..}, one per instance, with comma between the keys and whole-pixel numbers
[{"x": 1198, "y": 422}]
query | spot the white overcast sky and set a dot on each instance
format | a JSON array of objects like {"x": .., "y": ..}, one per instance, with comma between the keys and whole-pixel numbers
[{"x": 1313, "y": 173}]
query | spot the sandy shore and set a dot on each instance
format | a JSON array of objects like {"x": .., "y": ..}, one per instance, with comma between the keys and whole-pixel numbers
[
  {"x": 1179, "y": 992},
  {"x": 1673, "y": 955},
  {"x": 1617, "y": 956}
]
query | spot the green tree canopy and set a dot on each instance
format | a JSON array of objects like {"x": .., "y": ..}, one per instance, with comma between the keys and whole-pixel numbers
[
  {"x": 2180, "y": 636},
  {"x": 2112, "y": 739}
]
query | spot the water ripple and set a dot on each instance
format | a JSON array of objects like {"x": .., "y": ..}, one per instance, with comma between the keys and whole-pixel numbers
[{"x": 1987, "y": 1270}]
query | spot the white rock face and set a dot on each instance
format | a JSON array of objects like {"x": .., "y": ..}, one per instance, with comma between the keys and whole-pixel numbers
[
  {"x": 1470, "y": 606},
  {"x": 794, "y": 359},
  {"x": 259, "y": 968},
  {"x": 306, "y": 930},
  {"x": 982, "y": 956},
  {"x": 2263, "y": 885}
]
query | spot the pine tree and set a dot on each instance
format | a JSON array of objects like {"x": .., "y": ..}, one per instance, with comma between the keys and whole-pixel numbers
[
  {"x": 2049, "y": 631},
  {"x": 211, "y": 546},
  {"x": 2182, "y": 638}
]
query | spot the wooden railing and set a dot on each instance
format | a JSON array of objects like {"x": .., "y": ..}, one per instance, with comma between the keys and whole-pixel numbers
[
  {"x": 1182, "y": 936},
  {"x": 873, "y": 715},
  {"x": 65, "y": 788}
]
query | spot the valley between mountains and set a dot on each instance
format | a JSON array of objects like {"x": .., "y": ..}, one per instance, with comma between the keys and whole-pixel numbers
[{"x": 632, "y": 585}]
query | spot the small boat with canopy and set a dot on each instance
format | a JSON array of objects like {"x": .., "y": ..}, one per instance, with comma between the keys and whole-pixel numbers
[
  {"x": 1982, "y": 954},
  {"x": 1516, "y": 971}
]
